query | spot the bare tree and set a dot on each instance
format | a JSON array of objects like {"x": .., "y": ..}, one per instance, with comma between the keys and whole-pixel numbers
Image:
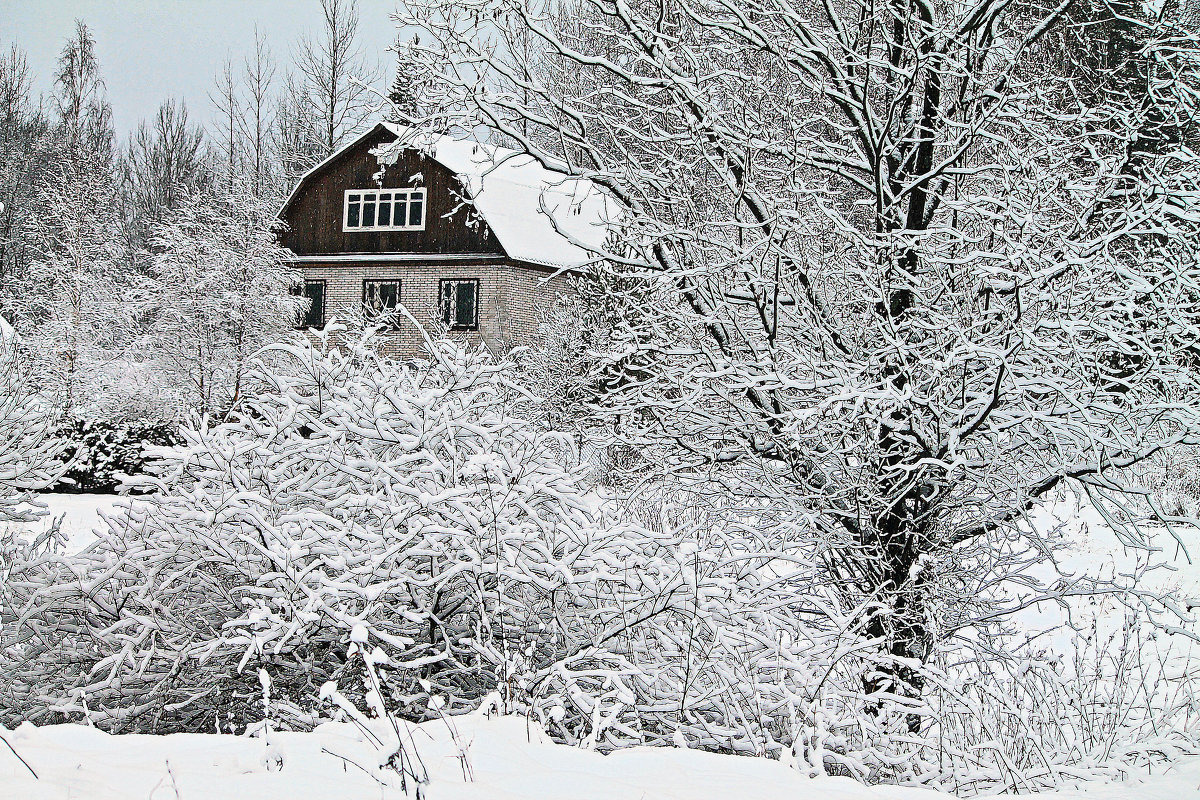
[
  {"x": 296, "y": 140},
  {"x": 85, "y": 113},
  {"x": 162, "y": 164},
  {"x": 225, "y": 98},
  {"x": 336, "y": 74},
  {"x": 258, "y": 119}
]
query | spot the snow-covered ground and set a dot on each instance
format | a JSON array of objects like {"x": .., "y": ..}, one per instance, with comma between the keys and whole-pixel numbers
[
  {"x": 504, "y": 758},
  {"x": 467, "y": 758},
  {"x": 80, "y": 515}
]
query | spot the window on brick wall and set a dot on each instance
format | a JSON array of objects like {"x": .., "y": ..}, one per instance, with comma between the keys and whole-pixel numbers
[
  {"x": 312, "y": 315},
  {"x": 460, "y": 304},
  {"x": 384, "y": 210},
  {"x": 380, "y": 301}
]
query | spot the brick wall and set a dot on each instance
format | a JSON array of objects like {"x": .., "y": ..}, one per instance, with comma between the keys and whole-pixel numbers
[{"x": 510, "y": 297}]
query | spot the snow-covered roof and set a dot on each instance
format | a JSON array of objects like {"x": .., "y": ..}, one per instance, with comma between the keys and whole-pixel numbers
[{"x": 539, "y": 215}]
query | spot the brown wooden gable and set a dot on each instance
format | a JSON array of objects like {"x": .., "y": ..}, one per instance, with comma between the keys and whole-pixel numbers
[{"x": 314, "y": 212}]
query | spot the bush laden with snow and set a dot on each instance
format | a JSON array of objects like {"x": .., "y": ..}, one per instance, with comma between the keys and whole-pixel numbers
[
  {"x": 401, "y": 506},
  {"x": 400, "y": 512},
  {"x": 102, "y": 453},
  {"x": 30, "y": 457},
  {"x": 352, "y": 491}
]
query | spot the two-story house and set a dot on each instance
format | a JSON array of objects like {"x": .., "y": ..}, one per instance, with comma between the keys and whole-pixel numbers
[{"x": 468, "y": 237}]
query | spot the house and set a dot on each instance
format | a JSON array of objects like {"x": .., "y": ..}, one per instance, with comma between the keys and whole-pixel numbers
[{"x": 468, "y": 237}]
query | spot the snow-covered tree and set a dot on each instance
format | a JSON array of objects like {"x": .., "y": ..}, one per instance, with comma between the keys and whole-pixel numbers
[
  {"x": 24, "y": 150},
  {"x": 405, "y": 95},
  {"x": 71, "y": 302},
  {"x": 219, "y": 288},
  {"x": 66, "y": 301},
  {"x": 162, "y": 164},
  {"x": 911, "y": 282}
]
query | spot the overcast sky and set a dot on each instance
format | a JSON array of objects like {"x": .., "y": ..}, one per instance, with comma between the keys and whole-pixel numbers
[{"x": 150, "y": 50}]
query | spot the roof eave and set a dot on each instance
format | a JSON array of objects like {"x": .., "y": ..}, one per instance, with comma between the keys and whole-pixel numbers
[{"x": 325, "y": 162}]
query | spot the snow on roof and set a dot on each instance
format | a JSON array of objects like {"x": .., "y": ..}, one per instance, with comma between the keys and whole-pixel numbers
[{"x": 539, "y": 215}]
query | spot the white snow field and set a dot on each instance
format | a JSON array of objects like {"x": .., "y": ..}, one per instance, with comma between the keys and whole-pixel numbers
[
  {"x": 80, "y": 515},
  {"x": 467, "y": 758}
]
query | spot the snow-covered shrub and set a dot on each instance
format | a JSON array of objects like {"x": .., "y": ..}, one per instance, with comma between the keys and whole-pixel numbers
[
  {"x": 1115, "y": 699},
  {"x": 734, "y": 642},
  {"x": 30, "y": 456},
  {"x": 103, "y": 452},
  {"x": 352, "y": 490}
]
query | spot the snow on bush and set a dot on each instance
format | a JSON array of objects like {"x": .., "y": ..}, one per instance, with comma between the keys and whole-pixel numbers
[
  {"x": 351, "y": 491},
  {"x": 30, "y": 456}
]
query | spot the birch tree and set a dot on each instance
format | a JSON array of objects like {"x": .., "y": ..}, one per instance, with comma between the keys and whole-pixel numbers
[
  {"x": 218, "y": 290},
  {"x": 337, "y": 75},
  {"x": 84, "y": 111},
  {"x": 66, "y": 303},
  {"x": 258, "y": 75}
]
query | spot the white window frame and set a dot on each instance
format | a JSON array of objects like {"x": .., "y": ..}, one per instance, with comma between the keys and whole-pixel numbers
[{"x": 409, "y": 195}]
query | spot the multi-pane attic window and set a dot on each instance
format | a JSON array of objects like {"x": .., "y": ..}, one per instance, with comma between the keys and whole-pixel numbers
[{"x": 384, "y": 210}]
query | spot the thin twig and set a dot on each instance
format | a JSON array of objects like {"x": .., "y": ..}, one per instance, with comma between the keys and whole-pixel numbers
[{"x": 18, "y": 755}]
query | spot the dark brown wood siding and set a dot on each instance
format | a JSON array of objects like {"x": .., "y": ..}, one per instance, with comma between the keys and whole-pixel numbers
[{"x": 314, "y": 217}]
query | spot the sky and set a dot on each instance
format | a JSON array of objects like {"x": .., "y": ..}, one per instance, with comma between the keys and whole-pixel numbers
[{"x": 151, "y": 50}]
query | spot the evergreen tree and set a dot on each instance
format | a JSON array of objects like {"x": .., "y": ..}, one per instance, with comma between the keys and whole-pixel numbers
[{"x": 405, "y": 95}]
